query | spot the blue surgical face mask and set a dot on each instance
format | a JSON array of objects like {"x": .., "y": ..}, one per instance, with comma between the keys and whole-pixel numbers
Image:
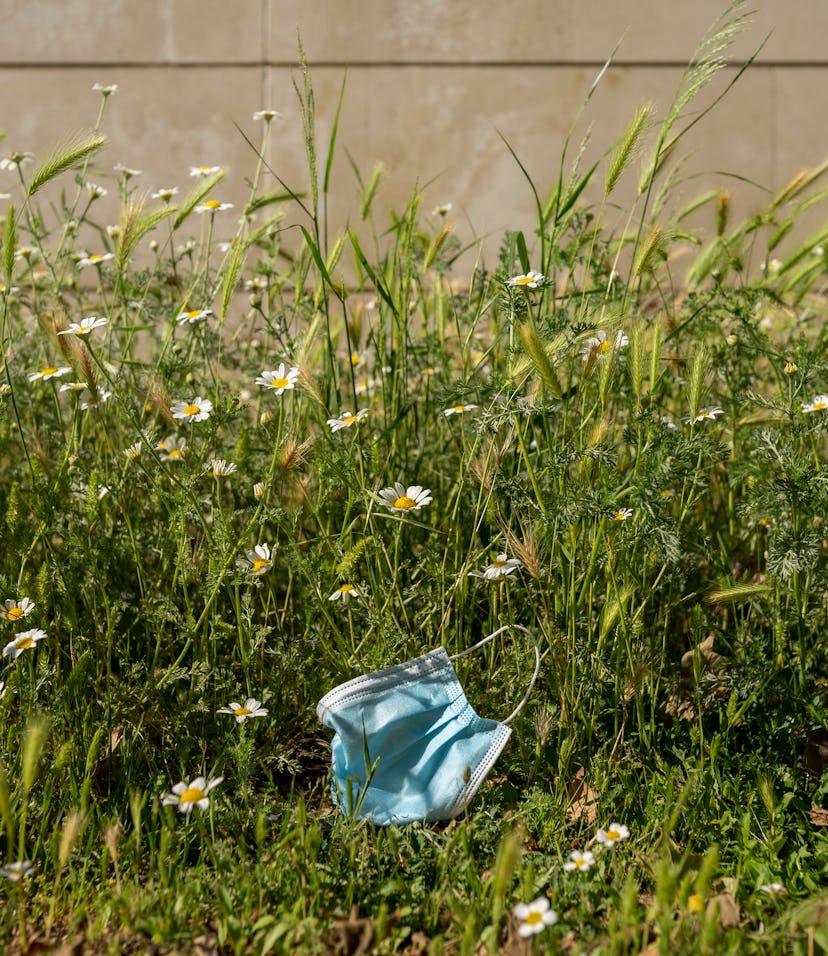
[{"x": 407, "y": 744}]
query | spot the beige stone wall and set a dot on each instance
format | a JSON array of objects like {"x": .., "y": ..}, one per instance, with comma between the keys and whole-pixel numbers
[{"x": 430, "y": 86}]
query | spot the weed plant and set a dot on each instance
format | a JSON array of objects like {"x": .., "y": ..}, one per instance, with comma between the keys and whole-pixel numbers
[{"x": 613, "y": 435}]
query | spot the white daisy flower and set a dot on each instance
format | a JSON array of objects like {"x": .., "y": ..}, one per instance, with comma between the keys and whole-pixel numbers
[
  {"x": 127, "y": 171},
  {"x": 14, "y": 159},
  {"x": 258, "y": 561},
  {"x": 581, "y": 861},
  {"x": 94, "y": 399},
  {"x": 23, "y": 641},
  {"x": 267, "y": 115},
  {"x": 774, "y": 889},
  {"x": 534, "y": 917},
  {"x": 98, "y": 259},
  {"x": 16, "y": 610},
  {"x": 2, "y": 689},
  {"x": 773, "y": 266},
  {"x": 614, "y": 833},
  {"x": 345, "y": 593},
  {"x": 85, "y": 326},
  {"x": 442, "y": 210},
  {"x": 166, "y": 194},
  {"x": 346, "y": 420},
  {"x": 185, "y": 796},
  {"x": 622, "y": 514},
  {"x": 400, "y": 498},
  {"x": 204, "y": 171},
  {"x": 16, "y": 871},
  {"x": 172, "y": 448},
  {"x": 499, "y": 568},
  {"x": 259, "y": 489},
  {"x": 213, "y": 205},
  {"x": 193, "y": 316},
  {"x": 599, "y": 345},
  {"x": 73, "y": 386},
  {"x": 197, "y": 410},
  {"x": 818, "y": 404},
  {"x": 49, "y": 371},
  {"x": 95, "y": 191},
  {"x": 106, "y": 90},
  {"x": 26, "y": 252},
  {"x": 8, "y": 289},
  {"x": 279, "y": 380},
  {"x": 458, "y": 410},
  {"x": 529, "y": 281},
  {"x": 250, "y": 708},
  {"x": 219, "y": 468},
  {"x": 708, "y": 414},
  {"x": 133, "y": 452}
]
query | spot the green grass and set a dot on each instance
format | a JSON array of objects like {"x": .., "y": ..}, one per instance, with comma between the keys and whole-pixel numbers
[{"x": 672, "y": 559}]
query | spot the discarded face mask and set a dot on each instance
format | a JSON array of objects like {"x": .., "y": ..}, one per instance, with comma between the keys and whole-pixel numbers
[{"x": 407, "y": 744}]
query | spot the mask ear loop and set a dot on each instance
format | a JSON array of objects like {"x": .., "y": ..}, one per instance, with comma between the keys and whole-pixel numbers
[{"x": 491, "y": 637}]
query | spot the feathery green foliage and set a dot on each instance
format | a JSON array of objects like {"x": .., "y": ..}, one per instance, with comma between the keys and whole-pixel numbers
[{"x": 377, "y": 446}]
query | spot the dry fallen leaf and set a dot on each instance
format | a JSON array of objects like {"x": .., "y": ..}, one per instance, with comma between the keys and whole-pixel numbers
[
  {"x": 583, "y": 800},
  {"x": 355, "y": 936},
  {"x": 819, "y": 817},
  {"x": 728, "y": 909},
  {"x": 681, "y": 704}
]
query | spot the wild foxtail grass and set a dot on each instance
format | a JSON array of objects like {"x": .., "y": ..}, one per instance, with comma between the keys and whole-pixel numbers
[{"x": 196, "y": 547}]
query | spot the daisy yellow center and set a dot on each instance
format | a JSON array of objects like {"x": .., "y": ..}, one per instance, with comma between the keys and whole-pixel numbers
[
  {"x": 260, "y": 564},
  {"x": 346, "y": 588},
  {"x": 604, "y": 347},
  {"x": 279, "y": 382},
  {"x": 14, "y": 613},
  {"x": 404, "y": 503},
  {"x": 666, "y": 494},
  {"x": 242, "y": 711},
  {"x": 613, "y": 834},
  {"x": 579, "y": 863},
  {"x": 174, "y": 453},
  {"x": 524, "y": 280},
  {"x": 695, "y": 903},
  {"x": 212, "y": 204},
  {"x": 192, "y": 795},
  {"x": 459, "y": 408},
  {"x": 49, "y": 371},
  {"x": 194, "y": 314},
  {"x": 349, "y": 420},
  {"x": 533, "y": 919},
  {"x": 498, "y": 563},
  {"x": 95, "y": 258},
  {"x": 619, "y": 516},
  {"x": 192, "y": 410},
  {"x": 820, "y": 405},
  {"x": 23, "y": 643}
]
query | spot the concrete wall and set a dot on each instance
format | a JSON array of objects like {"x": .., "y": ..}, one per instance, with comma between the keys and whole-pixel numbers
[{"x": 430, "y": 85}]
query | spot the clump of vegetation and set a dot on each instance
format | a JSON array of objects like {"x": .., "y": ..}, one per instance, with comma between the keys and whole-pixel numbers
[{"x": 244, "y": 463}]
